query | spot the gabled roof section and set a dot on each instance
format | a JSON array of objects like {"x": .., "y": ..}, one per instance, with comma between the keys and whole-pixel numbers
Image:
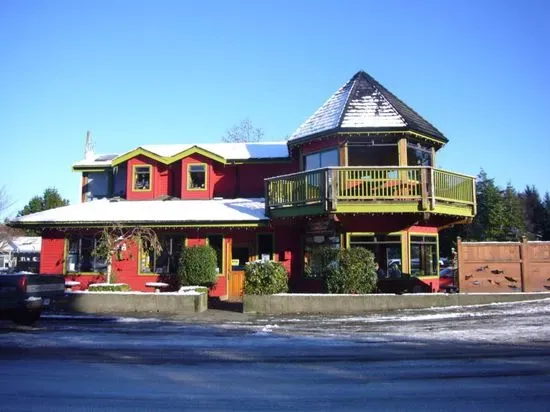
[
  {"x": 363, "y": 104},
  {"x": 169, "y": 153}
]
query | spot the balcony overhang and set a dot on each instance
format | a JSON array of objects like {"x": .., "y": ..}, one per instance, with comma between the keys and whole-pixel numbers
[{"x": 415, "y": 190}]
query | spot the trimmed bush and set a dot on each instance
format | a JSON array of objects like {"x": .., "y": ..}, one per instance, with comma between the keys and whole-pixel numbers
[
  {"x": 197, "y": 266},
  {"x": 346, "y": 270},
  {"x": 108, "y": 287},
  {"x": 265, "y": 278},
  {"x": 322, "y": 258}
]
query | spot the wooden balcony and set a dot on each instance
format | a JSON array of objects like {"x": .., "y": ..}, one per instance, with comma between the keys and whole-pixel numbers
[{"x": 371, "y": 190}]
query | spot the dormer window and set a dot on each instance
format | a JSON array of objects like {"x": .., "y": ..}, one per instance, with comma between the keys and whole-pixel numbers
[
  {"x": 196, "y": 176},
  {"x": 142, "y": 178}
]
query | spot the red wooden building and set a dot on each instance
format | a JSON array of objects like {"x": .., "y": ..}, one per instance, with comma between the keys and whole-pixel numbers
[{"x": 361, "y": 171}]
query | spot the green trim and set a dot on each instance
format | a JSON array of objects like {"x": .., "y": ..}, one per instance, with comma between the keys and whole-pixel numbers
[
  {"x": 455, "y": 210},
  {"x": 91, "y": 169},
  {"x": 170, "y": 159},
  {"x": 297, "y": 211},
  {"x": 436, "y": 235},
  {"x": 133, "y": 186},
  {"x": 378, "y": 207}
]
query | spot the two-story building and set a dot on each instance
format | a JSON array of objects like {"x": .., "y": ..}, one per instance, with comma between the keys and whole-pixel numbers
[{"x": 361, "y": 171}]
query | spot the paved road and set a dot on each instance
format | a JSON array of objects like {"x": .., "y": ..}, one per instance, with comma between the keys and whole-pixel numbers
[{"x": 487, "y": 358}]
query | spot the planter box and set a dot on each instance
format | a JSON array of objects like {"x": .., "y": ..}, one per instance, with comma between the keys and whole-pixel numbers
[
  {"x": 132, "y": 302},
  {"x": 287, "y": 303}
]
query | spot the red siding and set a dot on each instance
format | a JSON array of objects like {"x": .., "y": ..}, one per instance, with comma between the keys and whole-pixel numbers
[
  {"x": 251, "y": 176},
  {"x": 126, "y": 270},
  {"x": 224, "y": 180},
  {"x": 52, "y": 254},
  {"x": 159, "y": 179},
  {"x": 423, "y": 229}
]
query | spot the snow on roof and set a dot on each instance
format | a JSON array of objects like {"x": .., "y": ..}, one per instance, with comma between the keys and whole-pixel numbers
[
  {"x": 24, "y": 244},
  {"x": 165, "y": 211},
  {"x": 97, "y": 160},
  {"x": 363, "y": 103},
  {"x": 229, "y": 151}
]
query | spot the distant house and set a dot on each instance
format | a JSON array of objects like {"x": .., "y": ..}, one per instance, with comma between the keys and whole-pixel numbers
[
  {"x": 21, "y": 253},
  {"x": 361, "y": 171}
]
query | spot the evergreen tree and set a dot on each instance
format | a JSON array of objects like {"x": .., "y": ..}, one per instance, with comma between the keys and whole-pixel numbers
[
  {"x": 534, "y": 213},
  {"x": 490, "y": 221},
  {"x": 546, "y": 222},
  {"x": 49, "y": 200},
  {"x": 514, "y": 223}
]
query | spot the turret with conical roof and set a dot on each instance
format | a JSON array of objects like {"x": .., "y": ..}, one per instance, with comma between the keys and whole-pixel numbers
[{"x": 364, "y": 105}]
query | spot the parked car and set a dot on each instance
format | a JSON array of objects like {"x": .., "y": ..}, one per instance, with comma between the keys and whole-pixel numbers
[
  {"x": 23, "y": 295},
  {"x": 447, "y": 280}
]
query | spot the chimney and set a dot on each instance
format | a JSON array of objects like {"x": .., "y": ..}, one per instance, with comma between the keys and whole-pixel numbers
[{"x": 89, "y": 148}]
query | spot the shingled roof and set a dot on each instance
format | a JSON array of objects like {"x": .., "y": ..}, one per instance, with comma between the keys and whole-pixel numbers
[{"x": 363, "y": 104}]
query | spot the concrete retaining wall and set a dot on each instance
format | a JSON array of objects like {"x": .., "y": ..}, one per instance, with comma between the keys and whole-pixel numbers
[
  {"x": 352, "y": 304},
  {"x": 126, "y": 303}
]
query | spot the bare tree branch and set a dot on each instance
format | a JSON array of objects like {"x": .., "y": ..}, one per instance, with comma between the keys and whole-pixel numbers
[
  {"x": 245, "y": 131},
  {"x": 113, "y": 241}
]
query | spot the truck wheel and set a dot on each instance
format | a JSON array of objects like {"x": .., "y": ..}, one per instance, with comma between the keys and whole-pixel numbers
[{"x": 27, "y": 317}]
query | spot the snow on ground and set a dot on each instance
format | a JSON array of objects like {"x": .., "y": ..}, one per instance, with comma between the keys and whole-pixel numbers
[{"x": 509, "y": 323}]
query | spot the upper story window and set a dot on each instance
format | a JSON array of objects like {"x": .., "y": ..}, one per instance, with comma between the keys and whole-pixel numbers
[
  {"x": 317, "y": 160},
  {"x": 142, "y": 178},
  {"x": 418, "y": 155},
  {"x": 196, "y": 176}
]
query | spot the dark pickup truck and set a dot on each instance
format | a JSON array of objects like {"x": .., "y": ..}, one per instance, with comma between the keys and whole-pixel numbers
[{"x": 23, "y": 296}]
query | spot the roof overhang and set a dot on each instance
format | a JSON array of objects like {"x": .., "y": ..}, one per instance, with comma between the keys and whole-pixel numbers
[
  {"x": 366, "y": 132},
  {"x": 169, "y": 159}
]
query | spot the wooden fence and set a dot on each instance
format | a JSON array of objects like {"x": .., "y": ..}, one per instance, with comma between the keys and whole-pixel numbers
[{"x": 503, "y": 266}]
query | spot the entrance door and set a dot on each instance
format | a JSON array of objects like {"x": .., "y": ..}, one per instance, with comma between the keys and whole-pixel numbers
[{"x": 239, "y": 257}]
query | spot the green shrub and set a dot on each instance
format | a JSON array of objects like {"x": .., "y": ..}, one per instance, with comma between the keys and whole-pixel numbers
[
  {"x": 197, "y": 266},
  {"x": 344, "y": 270},
  {"x": 113, "y": 287},
  {"x": 265, "y": 278},
  {"x": 321, "y": 259}
]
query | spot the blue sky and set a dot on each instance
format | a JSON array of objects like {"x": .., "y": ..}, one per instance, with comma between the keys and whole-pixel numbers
[{"x": 144, "y": 72}]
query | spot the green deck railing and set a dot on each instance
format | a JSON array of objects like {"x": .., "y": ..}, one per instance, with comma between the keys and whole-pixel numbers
[
  {"x": 331, "y": 185},
  {"x": 297, "y": 188},
  {"x": 378, "y": 183},
  {"x": 453, "y": 187}
]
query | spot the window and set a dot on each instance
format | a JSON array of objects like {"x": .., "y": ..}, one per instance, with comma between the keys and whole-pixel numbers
[
  {"x": 239, "y": 257},
  {"x": 373, "y": 155},
  {"x": 142, "y": 178},
  {"x": 386, "y": 249},
  {"x": 216, "y": 242},
  {"x": 167, "y": 261},
  {"x": 321, "y": 159},
  {"x": 265, "y": 246},
  {"x": 418, "y": 155},
  {"x": 196, "y": 177},
  {"x": 80, "y": 257},
  {"x": 424, "y": 259}
]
